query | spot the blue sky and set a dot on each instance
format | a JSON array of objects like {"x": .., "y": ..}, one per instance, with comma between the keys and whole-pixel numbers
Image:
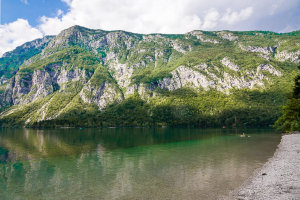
[
  {"x": 25, "y": 20},
  {"x": 31, "y": 10}
]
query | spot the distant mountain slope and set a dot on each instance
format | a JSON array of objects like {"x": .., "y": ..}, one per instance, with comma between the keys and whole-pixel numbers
[
  {"x": 90, "y": 77},
  {"x": 10, "y": 61}
]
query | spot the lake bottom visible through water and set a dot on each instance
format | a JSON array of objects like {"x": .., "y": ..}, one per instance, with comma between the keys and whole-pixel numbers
[{"x": 129, "y": 163}]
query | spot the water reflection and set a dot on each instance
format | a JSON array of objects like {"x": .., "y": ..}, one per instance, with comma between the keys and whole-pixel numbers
[
  {"x": 3, "y": 155},
  {"x": 127, "y": 163}
]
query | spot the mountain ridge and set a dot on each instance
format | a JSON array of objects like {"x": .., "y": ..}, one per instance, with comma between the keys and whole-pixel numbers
[{"x": 92, "y": 71}]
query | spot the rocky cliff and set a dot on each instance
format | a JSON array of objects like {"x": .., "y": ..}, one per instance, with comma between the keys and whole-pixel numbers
[{"x": 84, "y": 69}]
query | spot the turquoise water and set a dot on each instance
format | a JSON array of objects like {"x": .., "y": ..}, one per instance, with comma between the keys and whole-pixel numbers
[{"x": 129, "y": 163}]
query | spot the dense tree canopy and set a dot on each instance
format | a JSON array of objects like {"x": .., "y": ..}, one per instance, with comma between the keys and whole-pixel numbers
[{"x": 290, "y": 120}]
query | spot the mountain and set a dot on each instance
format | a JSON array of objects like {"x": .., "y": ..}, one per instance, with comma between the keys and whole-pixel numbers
[
  {"x": 10, "y": 61},
  {"x": 85, "y": 77}
]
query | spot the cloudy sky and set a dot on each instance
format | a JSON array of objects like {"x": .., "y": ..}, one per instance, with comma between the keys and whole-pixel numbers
[{"x": 25, "y": 20}]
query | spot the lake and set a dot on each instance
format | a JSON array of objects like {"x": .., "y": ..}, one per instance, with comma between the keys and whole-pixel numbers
[{"x": 129, "y": 163}]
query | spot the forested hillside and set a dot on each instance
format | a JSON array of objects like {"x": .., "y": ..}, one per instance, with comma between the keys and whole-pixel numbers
[{"x": 85, "y": 77}]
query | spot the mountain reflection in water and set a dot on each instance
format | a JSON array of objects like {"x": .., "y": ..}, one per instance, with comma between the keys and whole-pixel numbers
[{"x": 128, "y": 163}]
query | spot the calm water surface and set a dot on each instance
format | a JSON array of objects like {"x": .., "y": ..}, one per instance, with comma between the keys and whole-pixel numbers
[{"x": 128, "y": 163}]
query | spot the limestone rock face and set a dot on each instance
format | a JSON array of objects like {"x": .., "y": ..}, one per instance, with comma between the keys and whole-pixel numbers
[
  {"x": 178, "y": 47},
  {"x": 269, "y": 68},
  {"x": 122, "y": 74},
  {"x": 102, "y": 95},
  {"x": 21, "y": 86},
  {"x": 42, "y": 85},
  {"x": 226, "y": 62},
  {"x": 288, "y": 56},
  {"x": 264, "y": 50},
  {"x": 185, "y": 77},
  {"x": 119, "y": 39},
  {"x": 65, "y": 76},
  {"x": 228, "y": 36},
  {"x": 26, "y": 88},
  {"x": 200, "y": 36}
]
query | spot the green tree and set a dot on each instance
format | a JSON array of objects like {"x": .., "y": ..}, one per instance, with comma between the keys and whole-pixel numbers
[{"x": 290, "y": 119}]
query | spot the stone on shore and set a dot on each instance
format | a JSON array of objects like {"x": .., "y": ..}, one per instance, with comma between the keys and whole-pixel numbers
[{"x": 279, "y": 178}]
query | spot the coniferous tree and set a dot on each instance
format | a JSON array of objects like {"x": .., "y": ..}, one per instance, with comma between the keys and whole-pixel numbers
[{"x": 290, "y": 119}]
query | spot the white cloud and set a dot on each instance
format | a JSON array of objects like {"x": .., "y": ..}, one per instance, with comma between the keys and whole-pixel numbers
[
  {"x": 24, "y": 1},
  {"x": 59, "y": 12},
  {"x": 232, "y": 17},
  {"x": 211, "y": 19},
  {"x": 15, "y": 34},
  {"x": 164, "y": 16},
  {"x": 145, "y": 16}
]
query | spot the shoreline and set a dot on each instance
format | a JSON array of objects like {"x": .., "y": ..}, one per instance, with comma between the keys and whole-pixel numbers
[{"x": 278, "y": 178}]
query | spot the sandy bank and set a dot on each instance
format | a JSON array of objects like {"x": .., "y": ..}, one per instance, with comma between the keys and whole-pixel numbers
[{"x": 279, "y": 178}]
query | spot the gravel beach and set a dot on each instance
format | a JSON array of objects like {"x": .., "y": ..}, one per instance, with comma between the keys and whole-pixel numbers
[{"x": 279, "y": 178}]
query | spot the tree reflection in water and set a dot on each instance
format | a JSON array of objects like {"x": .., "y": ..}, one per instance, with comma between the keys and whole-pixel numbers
[{"x": 128, "y": 163}]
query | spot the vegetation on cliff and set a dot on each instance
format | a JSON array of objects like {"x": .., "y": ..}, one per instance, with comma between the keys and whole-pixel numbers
[{"x": 85, "y": 77}]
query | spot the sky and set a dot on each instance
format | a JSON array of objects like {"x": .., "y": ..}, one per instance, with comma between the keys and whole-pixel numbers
[{"x": 26, "y": 20}]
